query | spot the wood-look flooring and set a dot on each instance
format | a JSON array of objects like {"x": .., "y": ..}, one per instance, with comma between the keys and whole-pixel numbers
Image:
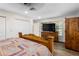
[{"x": 60, "y": 50}]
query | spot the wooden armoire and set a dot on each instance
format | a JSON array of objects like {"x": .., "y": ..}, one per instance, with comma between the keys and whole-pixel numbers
[{"x": 72, "y": 33}]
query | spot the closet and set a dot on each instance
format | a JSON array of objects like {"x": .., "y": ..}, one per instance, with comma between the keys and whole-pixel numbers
[
  {"x": 72, "y": 33},
  {"x": 10, "y": 26}
]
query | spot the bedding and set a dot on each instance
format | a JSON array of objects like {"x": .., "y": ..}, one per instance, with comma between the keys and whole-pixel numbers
[{"x": 22, "y": 47}]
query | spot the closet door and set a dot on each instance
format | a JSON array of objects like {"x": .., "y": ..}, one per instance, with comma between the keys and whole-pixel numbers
[
  {"x": 14, "y": 26},
  {"x": 2, "y": 28}
]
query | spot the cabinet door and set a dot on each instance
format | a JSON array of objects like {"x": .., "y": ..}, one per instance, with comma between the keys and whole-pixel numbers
[
  {"x": 77, "y": 35},
  {"x": 67, "y": 36},
  {"x": 72, "y": 30},
  {"x": 2, "y": 28},
  {"x": 77, "y": 41}
]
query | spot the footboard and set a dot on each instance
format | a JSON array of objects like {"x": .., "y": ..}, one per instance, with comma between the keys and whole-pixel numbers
[{"x": 48, "y": 43}]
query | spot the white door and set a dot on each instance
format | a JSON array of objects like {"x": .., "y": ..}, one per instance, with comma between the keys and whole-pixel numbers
[
  {"x": 37, "y": 29},
  {"x": 14, "y": 26},
  {"x": 2, "y": 28}
]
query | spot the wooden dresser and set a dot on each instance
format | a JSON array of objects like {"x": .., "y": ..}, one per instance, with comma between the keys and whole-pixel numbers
[
  {"x": 72, "y": 33},
  {"x": 46, "y": 34}
]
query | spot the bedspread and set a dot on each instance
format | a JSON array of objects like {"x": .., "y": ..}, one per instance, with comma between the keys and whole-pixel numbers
[{"x": 22, "y": 47}]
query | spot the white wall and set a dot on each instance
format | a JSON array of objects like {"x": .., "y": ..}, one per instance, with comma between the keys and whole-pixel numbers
[
  {"x": 2, "y": 28},
  {"x": 14, "y": 23},
  {"x": 60, "y": 23}
]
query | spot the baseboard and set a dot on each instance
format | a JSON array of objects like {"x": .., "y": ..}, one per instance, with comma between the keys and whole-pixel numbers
[{"x": 60, "y": 42}]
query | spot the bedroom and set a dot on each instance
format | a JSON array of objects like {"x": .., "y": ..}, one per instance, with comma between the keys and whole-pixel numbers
[{"x": 28, "y": 18}]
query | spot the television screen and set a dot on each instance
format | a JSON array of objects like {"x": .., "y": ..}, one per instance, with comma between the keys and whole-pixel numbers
[{"x": 49, "y": 27}]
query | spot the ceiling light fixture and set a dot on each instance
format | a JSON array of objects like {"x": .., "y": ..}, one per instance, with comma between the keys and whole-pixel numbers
[
  {"x": 26, "y": 12},
  {"x": 39, "y": 17}
]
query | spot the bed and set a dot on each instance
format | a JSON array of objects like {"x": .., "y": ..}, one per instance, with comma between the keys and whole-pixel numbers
[
  {"x": 25, "y": 45},
  {"x": 48, "y": 43}
]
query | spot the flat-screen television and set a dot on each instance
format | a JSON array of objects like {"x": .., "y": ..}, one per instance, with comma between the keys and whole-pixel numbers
[{"x": 49, "y": 27}]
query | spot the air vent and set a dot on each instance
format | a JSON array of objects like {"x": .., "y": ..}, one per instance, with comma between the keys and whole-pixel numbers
[
  {"x": 33, "y": 6},
  {"x": 28, "y": 4}
]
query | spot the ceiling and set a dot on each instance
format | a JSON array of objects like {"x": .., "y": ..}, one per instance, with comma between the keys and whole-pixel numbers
[{"x": 44, "y": 10}]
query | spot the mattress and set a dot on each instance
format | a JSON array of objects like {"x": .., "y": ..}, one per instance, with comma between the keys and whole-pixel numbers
[{"x": 22, "y": 47}]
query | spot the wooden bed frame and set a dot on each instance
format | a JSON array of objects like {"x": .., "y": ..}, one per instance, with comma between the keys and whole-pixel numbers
[{"x": 48, "y": 43}]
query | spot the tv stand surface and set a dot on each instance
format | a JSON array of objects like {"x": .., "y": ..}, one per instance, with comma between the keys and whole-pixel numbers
[{"x": 45, "y": 34}]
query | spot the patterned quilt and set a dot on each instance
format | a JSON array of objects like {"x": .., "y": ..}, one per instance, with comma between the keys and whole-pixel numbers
[{"x": 22, "y": 47}]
